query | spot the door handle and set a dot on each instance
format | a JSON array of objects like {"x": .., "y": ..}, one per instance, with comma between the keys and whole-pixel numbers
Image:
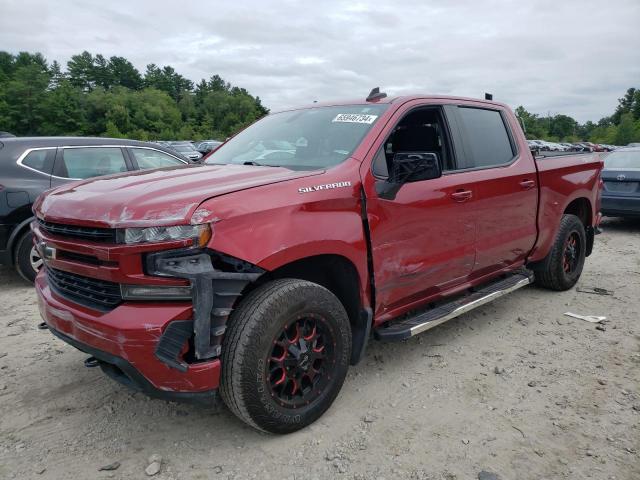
[
  {"x": 462, "y": 195},
  {"x": 527, "y": 184}
]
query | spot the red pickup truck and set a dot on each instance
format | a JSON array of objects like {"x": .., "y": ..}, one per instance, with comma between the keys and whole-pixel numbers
[{"x": 262, "y": 274}]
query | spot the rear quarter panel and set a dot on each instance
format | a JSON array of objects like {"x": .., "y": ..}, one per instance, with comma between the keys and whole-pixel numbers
[{"x": 562, "y": 180}]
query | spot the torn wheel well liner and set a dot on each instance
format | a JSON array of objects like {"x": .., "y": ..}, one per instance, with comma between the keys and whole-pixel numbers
[{"x": 338, "y": 275}]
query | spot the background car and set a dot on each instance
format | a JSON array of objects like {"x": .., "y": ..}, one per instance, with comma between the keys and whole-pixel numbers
[
  {"x": 594, "y": 147},
  {"x": 207, "y": 146},
  {"x": 553, "y": 147},
  {"x": 584, "y": 147},
  {"x": 538, "y": 145},
  {"x": 621, "y": 176},
  {"x": 186, "y": 149},
  {"x": 29, "y": 166}
]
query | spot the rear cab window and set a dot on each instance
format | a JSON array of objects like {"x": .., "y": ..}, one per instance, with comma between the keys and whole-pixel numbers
[
  {"x": 488, "y": 140},
  {"x": 87, "y": 162}
]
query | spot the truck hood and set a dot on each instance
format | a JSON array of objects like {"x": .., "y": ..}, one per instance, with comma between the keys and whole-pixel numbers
[{"x": 152, "y": 197}]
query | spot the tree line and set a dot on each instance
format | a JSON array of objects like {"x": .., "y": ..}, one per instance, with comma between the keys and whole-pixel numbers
[
  {"x": 98, "y": 96},
  {"x": 621, "y": 128}
]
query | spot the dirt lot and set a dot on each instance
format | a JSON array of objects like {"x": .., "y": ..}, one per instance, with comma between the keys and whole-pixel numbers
[{"x": 514, "y": 388}]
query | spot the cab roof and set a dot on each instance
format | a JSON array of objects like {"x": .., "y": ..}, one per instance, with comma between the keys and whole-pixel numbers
[{"x": 398, "y": 99}]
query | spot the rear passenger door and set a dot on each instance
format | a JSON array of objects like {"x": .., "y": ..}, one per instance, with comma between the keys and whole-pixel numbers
[
  {"x": 505, "y": 182},
  {"x": 78, "y": 163}
]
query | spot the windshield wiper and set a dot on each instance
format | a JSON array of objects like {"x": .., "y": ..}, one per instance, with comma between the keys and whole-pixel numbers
[{"x": 256, "y": 164}]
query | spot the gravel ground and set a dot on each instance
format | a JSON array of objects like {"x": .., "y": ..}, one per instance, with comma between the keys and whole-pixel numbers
[{"x": 514, "y": 388}]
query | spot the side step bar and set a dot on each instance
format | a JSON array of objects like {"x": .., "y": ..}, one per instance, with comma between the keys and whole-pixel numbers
[{"x": 408, "y": 327}]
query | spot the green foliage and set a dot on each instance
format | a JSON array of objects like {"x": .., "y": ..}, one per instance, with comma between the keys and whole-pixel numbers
[
  {"x": 109, "y": 97},
  {"x": 64, "y": 110},
  {"x": 621, "y": 128},
  {"x": 23, "y": 96},
  {"x": 628, "y": 130},
  {"x": 96, "y": 96}
]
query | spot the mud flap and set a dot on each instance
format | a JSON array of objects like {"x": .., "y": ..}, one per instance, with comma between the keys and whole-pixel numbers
[{"x": 361, "y": 333}]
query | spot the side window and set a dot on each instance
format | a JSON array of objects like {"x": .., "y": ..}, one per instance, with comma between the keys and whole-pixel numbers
[
  {"x": 37, "y": 159},
  {"x": 487, "y": 137},
  {"x": 92, "y": 162},
  {"x": 420, "y": 131},
  {"x": 148, "y": 158},
  {"x": 380, "y": 166}
]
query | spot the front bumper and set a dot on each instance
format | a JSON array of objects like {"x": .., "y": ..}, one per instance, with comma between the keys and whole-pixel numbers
[
  {"x": 620, "y": 206},
  {"x": 125, "y": 340}
]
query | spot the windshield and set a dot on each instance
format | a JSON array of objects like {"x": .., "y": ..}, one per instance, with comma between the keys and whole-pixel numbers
[
  {"x": 307, "y": 139},
  {"x": 629, "y": 160}
]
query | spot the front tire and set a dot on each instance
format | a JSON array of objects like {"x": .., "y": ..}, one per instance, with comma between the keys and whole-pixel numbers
[
  {"x": 27, "y": 260},
  {"x": 566, "y": 257},
  {"x": 285, "y": 355}
]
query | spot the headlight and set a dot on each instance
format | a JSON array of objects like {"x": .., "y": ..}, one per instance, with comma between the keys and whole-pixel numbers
[
  {"x": 199, "y": 233},
  {"x": 155, "y": 292}
]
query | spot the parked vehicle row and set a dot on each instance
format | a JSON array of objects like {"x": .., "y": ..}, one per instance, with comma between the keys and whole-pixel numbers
[
  {"x": 543, "y": 145},
  {"x": 31, "y": 165}
]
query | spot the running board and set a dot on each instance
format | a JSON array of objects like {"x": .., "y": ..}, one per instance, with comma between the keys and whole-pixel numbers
[{"x": 408, "y": 327}]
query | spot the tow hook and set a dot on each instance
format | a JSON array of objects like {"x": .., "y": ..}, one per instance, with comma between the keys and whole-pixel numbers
[
  {"x": 91, "y": 362},
  {"x": 43, "y": 326}
]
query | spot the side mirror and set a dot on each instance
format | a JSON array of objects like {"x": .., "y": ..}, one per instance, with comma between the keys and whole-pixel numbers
[{"x": 408, "y": 167}]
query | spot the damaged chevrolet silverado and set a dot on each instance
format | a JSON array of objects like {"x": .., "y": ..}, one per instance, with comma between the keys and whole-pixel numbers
[{"x": 261, "y": 275}]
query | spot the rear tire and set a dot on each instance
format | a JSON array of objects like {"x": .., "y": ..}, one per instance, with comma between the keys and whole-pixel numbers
[
  {"x": 285, "y": 355},
  {"x": 27, "y": 260},
  {"x": 566, "y": 257}
]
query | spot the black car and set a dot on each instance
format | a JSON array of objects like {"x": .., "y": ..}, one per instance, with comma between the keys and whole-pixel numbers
[
  {"x": 186, "y": 149},
  {"x": 207, "y": 146},
  {"x": 621, "y": 176},
  {"x": 31, "y": 165}
]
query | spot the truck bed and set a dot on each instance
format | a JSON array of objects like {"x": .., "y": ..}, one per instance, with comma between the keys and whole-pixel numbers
[{"x": 561, "y": 177}]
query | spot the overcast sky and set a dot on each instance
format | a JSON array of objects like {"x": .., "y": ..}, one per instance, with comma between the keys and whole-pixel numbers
[{"x": 561, "y": 56}]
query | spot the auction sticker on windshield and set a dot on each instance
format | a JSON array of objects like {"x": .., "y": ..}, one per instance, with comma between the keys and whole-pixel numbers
[{"x": 355, "y": 118}]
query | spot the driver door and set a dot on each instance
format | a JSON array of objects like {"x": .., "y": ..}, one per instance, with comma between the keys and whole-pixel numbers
[{"x": 423, "y": 240}]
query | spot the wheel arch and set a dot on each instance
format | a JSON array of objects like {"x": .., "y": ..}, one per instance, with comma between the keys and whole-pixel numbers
[
  {"x": 581, "y": 208},
  {"x": 339, "y": 275},
  {"x": 16, "y": 233}
]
